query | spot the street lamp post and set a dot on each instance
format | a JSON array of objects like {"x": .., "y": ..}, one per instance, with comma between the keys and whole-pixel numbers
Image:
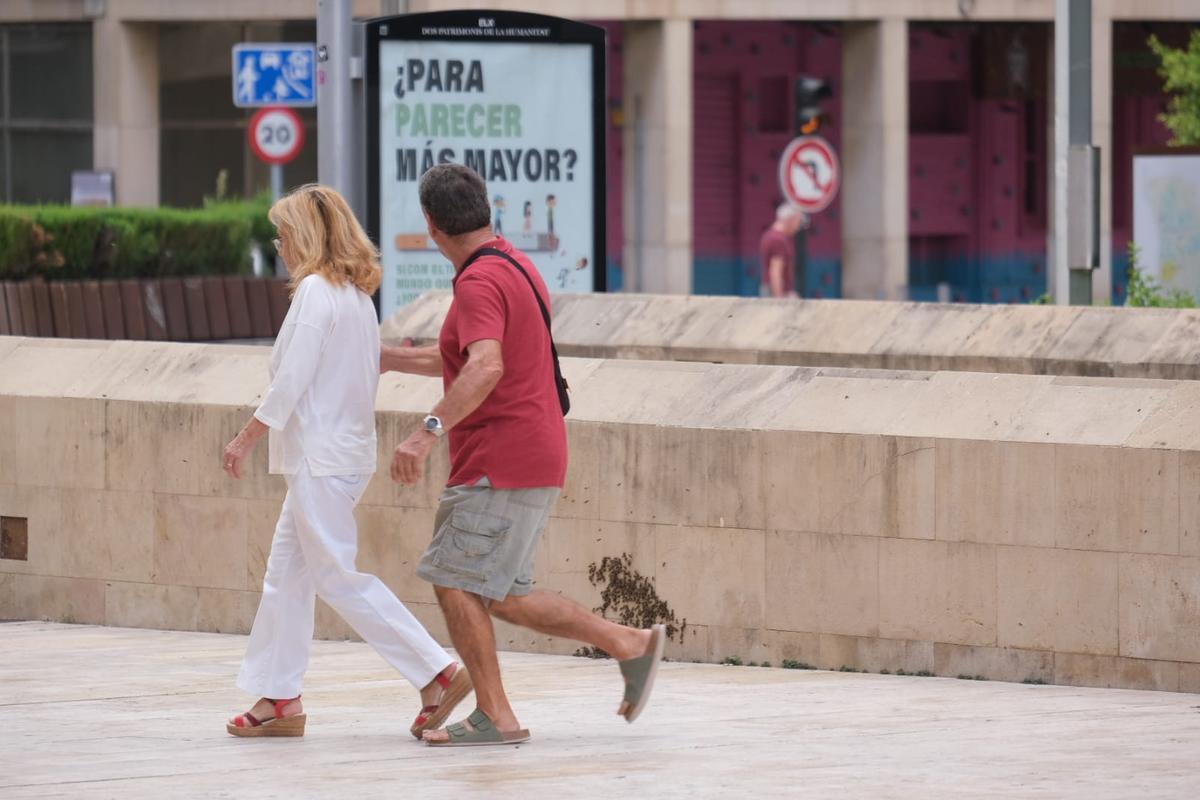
[{"x": 1076, "y": 159}]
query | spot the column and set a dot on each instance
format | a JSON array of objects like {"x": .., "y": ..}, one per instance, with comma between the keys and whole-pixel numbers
[
  {"x": 1102, "y": 137},
  {"x": 658, "y": 156},
  {"x": 875, "y": 160},
  {"x": 1053, "y": 279},
  {"x": 126, "y": 136}
]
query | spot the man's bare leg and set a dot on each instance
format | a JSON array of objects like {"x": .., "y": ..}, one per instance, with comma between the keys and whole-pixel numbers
[
  {"x": 475, "y": 640},
  {"x": 553, "y": 614}
]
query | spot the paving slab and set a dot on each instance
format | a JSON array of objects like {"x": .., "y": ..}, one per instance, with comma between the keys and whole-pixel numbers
[{"x": 95, "y": 712}]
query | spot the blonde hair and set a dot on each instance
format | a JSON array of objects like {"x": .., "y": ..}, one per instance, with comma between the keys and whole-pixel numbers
[{"x": 325, "y": 238}]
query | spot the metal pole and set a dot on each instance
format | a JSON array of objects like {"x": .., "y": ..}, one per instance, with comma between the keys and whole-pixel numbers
[
  {"x": 336, "y": 148},
  {"x": 1076, "y": 190},
  {"x": 1080, "y": 54},
  {"x": 638, "y": 284},
  {"x": 6, "y": 78},
  {"x": 799, "y": 265},
  {"x": 1062, "y": 105},
  {"x": 276, "y": 193},
  {"x": 800, "y": 279},
  {"x": 276, "y": 182}
]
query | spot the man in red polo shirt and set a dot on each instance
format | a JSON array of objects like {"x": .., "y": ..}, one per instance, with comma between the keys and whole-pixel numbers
[
  {"x": 508, "y": 461},
  {"x": 777, "y": 251}
]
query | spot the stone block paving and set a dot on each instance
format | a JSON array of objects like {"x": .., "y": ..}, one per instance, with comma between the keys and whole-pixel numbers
[{"x": 96, "y": 712}]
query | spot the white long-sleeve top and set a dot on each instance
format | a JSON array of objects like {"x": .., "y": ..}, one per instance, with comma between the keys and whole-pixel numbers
[{"x": 324, "y": 376}]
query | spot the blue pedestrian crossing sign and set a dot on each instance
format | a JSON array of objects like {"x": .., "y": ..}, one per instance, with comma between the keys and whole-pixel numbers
[{"x": 274, "y": 74}]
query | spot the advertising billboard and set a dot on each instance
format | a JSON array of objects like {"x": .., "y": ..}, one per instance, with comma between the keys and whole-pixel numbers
[
  {"x": 519, "y": 98},
  {"x": 1166, "y": 205}
]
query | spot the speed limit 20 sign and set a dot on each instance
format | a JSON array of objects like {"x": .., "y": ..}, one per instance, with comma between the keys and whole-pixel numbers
[{"x": 276, "y": 135}]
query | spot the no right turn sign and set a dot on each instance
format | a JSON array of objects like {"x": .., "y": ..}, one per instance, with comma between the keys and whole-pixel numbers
[{"x": 809, "y": 174}]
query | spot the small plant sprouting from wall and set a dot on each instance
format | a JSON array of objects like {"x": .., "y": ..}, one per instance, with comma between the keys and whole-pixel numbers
[{"x": 628, "y": 597}]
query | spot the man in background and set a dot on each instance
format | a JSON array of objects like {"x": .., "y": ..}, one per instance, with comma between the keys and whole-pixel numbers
[{"x": 777, "y": 249}]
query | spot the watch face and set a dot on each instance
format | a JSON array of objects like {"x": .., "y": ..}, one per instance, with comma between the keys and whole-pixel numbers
[{"x": 432, "y": 424}]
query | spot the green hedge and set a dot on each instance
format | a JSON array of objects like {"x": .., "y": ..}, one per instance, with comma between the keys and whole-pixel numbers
[{"x": 63, "y": 242}]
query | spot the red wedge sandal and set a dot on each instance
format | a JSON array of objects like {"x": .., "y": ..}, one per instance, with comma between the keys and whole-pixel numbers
[
  {"x": 454, "y": 690},
  {"x": 247, "y": 724}
]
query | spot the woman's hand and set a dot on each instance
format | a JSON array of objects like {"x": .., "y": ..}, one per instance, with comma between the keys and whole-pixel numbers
[{"x": 237, "y": 451}]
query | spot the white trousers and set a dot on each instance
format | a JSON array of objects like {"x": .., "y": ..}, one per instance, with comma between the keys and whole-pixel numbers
[{"x": 313, "y": 552}]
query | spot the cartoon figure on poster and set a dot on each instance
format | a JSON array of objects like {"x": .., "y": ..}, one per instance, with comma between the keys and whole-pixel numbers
[{"x": 445, "y": 101}]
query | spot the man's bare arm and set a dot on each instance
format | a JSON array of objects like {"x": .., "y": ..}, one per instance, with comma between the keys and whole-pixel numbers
[
  {"x": 479, "y": 376},
  {"x": 481, "y": 373},
  {"x": 413, "y": 360}
]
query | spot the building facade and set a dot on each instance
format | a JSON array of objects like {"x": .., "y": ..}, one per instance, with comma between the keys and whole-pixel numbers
[{"x": 941, "y": 115}]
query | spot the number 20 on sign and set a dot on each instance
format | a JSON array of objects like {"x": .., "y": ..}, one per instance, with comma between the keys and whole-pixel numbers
[{"x": 276, "y": 135}]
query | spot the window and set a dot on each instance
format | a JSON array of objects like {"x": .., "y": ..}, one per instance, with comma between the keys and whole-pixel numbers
[
  {"x": 1033, "y": 166},
  {"x": 203, "y": 135},
  {"x": 46, "y": 114},
  {"x": 773, "y": 105},
  {"x": 14, "y": 538}
]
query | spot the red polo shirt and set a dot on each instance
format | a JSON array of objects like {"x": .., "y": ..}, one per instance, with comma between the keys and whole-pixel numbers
[
  {"x": 517, "y": 437},
  {"x": 774, "y": 244}
]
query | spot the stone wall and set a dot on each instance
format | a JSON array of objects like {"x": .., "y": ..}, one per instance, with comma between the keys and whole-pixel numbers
[
  {"x": 1010, "y": 526},
  {"x": 1028, "y": 339}
]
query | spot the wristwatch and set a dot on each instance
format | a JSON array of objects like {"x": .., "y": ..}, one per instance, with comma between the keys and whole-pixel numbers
[{"x": 434, "y": 425}]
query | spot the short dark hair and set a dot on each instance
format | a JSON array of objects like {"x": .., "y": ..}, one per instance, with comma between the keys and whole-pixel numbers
[{"x": 455, "y": 198}]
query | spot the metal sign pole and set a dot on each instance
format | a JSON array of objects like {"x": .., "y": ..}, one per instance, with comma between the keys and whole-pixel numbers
[
  {"x": 800, "y": 260},
  {"x": 336, "y": 145},
  {"x": 1076, "y": 184},
  {"x": 276, "y": 193}
]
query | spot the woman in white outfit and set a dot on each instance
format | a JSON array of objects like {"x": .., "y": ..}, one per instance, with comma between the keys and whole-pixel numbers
[{"x": 320, "y": 411}]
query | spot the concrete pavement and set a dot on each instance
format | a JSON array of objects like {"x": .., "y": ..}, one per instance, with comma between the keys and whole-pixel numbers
[{"x": 94, "y": 712}]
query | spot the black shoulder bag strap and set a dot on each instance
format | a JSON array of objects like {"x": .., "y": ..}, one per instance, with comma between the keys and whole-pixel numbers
[{"x": 560, "y": 383}]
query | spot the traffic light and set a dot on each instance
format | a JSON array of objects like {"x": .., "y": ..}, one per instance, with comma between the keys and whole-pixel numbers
[{"x": 809, "y": 94}]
